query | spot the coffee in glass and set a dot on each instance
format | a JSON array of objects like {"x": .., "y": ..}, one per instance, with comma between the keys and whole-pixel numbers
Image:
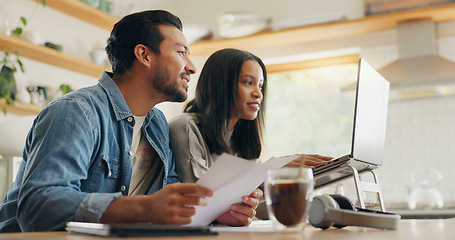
[{"x": 288, "y": 195}]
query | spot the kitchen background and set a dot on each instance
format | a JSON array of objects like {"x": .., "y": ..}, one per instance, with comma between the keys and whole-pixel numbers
[{"x": 420, "y": 130}]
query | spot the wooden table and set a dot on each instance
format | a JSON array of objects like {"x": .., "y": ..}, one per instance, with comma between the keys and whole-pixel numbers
[{"x": 413, "y": 229}]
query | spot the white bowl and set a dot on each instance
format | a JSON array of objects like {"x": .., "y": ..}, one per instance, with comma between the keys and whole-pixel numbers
[
  {"x": 241, "y": 24},
  {"x": 195, "y": 32}
]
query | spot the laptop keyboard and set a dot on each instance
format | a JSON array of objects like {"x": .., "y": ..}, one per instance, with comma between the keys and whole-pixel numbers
[{"x": 330, "y": 165}]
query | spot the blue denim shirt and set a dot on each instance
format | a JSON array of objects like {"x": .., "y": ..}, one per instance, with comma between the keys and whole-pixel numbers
[{"x": 77, "y": 160}]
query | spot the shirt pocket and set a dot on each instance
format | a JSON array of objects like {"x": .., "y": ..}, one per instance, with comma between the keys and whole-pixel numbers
[
  {"x": 106, "y": 177},
  {"x": 111, "y": 167}
]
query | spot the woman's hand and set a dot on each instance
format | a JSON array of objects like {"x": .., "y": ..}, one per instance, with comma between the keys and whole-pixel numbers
[
  {"x": 308, "y": 160},
  {"x": 242, "y": 213}
]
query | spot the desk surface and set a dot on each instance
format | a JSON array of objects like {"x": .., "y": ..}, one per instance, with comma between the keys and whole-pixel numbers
[{"x": 414, "y": 229}]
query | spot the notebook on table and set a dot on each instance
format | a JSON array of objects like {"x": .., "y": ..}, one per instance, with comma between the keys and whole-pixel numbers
[
  {"x": 136, "y": 229},
  {"x": 369, "y": 129}
]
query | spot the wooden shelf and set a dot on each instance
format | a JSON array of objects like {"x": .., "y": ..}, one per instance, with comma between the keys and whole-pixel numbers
[
  {"x": 45, "y": 55},
  {"x": 325, "y": 31},
  {"x": 346, "y": 59},
  {"x": 49, "y": 56},
  {"x": 20, "y": 108},
  {"x": 83, "y": 11},
  {"x": 269, "y": 39}
]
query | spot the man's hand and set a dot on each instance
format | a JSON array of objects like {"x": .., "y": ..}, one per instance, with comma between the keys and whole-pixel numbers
[
  {"x": 173, "y": 204},
  {"x": 308, "y": 160},
  {"x": 241, "y": 213}
]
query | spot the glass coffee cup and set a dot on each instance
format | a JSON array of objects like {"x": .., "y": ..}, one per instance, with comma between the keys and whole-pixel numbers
[{"x": 288, "y": 194}]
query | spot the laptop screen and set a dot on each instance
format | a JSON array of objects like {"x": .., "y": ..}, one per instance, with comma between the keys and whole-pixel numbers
[{"x": 370, "y": 118}]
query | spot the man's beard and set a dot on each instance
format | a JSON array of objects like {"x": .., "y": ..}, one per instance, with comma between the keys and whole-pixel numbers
[{"x": 163, "y": 85}]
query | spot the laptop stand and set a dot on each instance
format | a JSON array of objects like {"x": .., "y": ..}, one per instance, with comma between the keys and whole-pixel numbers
[{"x": 363, "y": 186}]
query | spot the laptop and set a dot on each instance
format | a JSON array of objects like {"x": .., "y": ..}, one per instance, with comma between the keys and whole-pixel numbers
[
  {"x": 370, "y": 117},
  {"x": 135, "y": 229}
]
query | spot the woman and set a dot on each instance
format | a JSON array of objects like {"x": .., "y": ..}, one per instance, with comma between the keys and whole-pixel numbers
[{"x": 226, "y": 115}]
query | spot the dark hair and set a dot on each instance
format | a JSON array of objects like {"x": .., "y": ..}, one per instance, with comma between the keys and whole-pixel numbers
[
  {"x": 134, "y": 29},
  {"x": 216, "y": 90}
]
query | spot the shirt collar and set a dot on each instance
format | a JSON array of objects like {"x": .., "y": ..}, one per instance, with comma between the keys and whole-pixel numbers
[
  {"x": 121, "y": 109},
  {"x": 118, "y": 103}
]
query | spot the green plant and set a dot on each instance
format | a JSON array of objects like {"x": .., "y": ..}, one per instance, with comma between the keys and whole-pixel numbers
[
  {"x": 9, "y": 67},
  {"x": 7, "y": 80},
  {"x": 65, "y": 88},
  {"x": 19, "y": 29}
]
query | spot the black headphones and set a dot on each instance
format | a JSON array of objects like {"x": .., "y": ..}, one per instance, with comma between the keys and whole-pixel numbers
[{"x": 339, "y": 211}]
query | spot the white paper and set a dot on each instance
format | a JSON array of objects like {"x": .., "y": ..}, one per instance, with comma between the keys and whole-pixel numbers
[{"x": 230, "y": 178}]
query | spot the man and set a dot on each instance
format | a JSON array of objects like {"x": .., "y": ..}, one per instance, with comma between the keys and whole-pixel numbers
[{"x": 101, "y": 154}]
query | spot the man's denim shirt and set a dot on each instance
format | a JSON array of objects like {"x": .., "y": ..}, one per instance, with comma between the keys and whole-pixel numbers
[{"x": 77, "y": 160}]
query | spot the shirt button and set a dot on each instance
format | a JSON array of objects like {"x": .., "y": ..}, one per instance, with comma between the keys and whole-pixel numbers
[
  {"x": 123, "y": 188},
  {"x": 130, "y": 119},
  {"x": 130, "y": 153},
  {"x": 109, "y": 174}
]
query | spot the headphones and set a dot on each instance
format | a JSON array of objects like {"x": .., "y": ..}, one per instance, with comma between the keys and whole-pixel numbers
[{"x": 339, "y": 211}]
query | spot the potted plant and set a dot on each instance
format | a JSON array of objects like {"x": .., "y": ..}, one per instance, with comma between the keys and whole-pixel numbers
[
  {"x": 7, "y": 80},
  {"x": 9, "y": 67}
]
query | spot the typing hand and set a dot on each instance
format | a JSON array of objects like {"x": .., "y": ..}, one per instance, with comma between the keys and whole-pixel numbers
[{"x": 308, "y": 160}]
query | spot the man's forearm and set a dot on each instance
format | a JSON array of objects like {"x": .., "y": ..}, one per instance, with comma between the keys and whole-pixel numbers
[
  {"x": 125, "y": 209},
  {"x": 94, "y": 205}
]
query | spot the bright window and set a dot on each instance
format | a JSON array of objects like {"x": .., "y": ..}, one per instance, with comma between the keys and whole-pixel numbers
[{"x": 308, "y": 113}]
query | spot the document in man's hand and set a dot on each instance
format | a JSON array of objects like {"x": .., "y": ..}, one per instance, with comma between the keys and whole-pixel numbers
[{"x": 230, "y": 178}]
